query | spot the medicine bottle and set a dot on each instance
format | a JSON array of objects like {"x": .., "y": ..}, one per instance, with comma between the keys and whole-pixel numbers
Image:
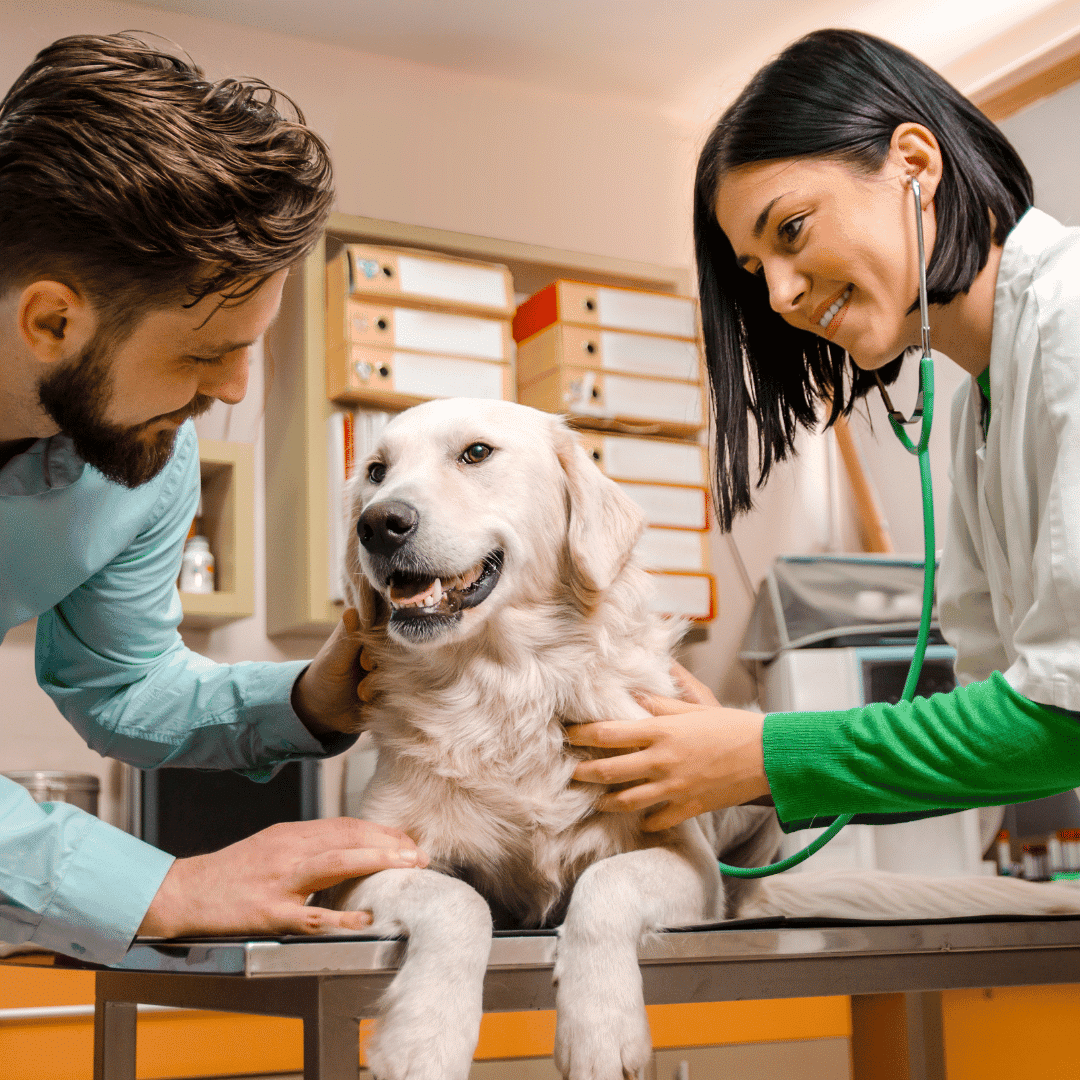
[{"x": 197, "y": 566}]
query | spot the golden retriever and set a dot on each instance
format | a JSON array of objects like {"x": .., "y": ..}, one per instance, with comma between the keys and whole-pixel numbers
[{"x": 492, "y": 564}]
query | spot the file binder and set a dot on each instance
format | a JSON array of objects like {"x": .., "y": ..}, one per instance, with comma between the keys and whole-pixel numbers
[
  {"x": 422, "y": 278},
  {"x": 684, "y": 595},
  {"x": 635, "y": 403},
  {"x": 608, "y": 307},
  {"x": 563, "y": 345},
  {"x": 673, "y": 549},
  {"x": 665, "y": 461},
  {"x": 397, "y": 379},
  {"x": 669, "y": 505}
]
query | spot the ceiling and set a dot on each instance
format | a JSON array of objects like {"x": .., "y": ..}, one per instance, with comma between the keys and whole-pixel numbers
[{"x": 683, "y": 58}]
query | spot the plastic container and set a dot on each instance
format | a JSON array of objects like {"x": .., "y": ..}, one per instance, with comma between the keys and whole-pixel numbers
[
  {"x": 45, "y": 786},
  {"x": 197, "y": 566}
]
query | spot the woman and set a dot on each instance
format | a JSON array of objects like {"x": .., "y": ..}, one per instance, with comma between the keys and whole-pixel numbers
[{"x": 807, "y": 258}]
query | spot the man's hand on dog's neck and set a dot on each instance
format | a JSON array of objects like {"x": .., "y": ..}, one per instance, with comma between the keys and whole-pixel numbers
[{"x": 324, "y": 697}]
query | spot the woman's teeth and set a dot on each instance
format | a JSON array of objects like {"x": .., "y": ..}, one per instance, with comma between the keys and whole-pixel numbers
[{"x": 834, "y": 308}]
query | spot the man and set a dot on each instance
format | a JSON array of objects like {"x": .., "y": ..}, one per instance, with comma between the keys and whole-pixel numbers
[{"x": 148, "y": 219}]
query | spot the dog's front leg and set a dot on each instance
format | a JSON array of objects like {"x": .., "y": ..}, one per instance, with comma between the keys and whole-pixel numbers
[
  {"x": 602, "y": 1032},
  {"x": 431, "y": 1011}
]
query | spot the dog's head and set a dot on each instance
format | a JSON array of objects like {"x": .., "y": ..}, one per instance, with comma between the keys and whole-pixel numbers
[{"x": 466, "y": 506}]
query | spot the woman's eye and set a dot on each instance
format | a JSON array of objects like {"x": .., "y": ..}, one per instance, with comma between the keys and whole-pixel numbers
[
  {"x": 376, "y": 472},
  {"x": 790, "y": 230},
  {"x": 474, "y": 454}
]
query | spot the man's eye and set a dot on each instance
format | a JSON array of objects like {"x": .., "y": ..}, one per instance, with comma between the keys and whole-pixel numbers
[
  {"x": 376, "y": 472},
  {"x": 474, "y": 454}
]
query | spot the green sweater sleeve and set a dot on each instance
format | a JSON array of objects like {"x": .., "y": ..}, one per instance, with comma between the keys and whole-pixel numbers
[{"x": 979, "y": 745}]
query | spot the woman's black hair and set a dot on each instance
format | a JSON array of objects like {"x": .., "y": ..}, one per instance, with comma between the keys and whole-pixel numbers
[{"x": 835, "y": 94}]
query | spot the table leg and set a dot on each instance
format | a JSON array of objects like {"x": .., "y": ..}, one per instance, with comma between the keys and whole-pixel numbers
[
  {"x": 114, "y": 1040},
  {"x": 332, "y": 1032},
  {"x": 925, "y": 1035}
]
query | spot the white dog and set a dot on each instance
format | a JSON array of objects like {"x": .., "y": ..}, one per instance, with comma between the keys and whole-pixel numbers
[{"x": 492, "y": 562}]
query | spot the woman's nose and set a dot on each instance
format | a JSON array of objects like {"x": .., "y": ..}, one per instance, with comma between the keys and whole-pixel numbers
[
  {"x": 786, "y": 286},
  {"x": 228, "y": 381}
]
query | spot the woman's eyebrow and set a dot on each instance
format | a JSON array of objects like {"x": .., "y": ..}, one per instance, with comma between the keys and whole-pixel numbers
[{"x": 763, "y": 217}]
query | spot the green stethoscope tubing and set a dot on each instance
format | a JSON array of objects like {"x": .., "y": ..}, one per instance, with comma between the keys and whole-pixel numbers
[{"x": 924, "y": 412}]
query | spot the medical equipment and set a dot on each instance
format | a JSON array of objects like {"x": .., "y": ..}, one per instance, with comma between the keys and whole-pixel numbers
[{"x": 924, "y": 415}]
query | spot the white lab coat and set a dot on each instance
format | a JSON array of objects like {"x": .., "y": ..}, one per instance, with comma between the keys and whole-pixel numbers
[{"x": 1009, "y": 584}]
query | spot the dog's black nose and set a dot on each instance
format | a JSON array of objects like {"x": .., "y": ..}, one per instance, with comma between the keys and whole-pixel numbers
[{"x": 385, "y": 526}]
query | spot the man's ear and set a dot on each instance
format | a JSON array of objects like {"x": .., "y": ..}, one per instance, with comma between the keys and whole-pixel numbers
[
  {"x": 54, "y": 322},
  {"x": 604, "y": 522}
]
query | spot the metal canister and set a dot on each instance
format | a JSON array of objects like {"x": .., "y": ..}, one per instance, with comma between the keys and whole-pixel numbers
[{"x": 44, "y": 785}]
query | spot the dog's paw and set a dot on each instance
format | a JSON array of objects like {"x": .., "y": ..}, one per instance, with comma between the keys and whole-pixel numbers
[
  {"x": 601, "y": 1029},
  {"x": 425, "y": 1040}
]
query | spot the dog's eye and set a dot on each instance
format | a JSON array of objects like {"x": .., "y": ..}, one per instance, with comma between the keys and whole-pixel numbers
[
  {"x": 473, "y": 455},
  {"x": 376, "y": 472}
]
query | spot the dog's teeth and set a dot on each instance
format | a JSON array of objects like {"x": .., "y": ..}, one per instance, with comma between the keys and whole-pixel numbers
[{"x": 436, "y": 594}]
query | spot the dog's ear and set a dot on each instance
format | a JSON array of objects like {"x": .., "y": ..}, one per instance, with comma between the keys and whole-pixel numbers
[{"x": 604, "y": 522}]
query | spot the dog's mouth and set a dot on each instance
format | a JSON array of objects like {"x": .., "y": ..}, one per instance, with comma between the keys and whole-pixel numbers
[{"x": 418, "y": 602}]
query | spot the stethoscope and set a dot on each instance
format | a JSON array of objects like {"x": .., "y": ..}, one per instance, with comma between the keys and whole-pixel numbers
[{"x": 923, "y": 415}]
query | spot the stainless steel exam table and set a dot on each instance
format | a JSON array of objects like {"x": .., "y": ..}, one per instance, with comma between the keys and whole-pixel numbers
[{"x": 333, "y": 983}]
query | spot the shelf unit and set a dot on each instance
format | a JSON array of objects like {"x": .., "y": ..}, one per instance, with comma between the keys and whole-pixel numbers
[
  {"x": 228, "y": 497},
  {"x": 297, "y": 406}
]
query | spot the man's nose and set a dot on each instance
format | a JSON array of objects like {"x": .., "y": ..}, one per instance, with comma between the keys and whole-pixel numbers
[{"x": 228, "y": 381}]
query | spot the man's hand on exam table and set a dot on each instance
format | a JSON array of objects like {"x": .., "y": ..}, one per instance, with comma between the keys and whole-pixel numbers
[
  {"x": 259, "y": 885},
  {"x": 325, "y": 696},
  {"x": 691, "y": 756}
]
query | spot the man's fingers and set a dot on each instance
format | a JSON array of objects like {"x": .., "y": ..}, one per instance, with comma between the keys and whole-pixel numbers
[
  {"x": 316, "y": 920},
  {"x": 367, "y": 660},
  {"x": 350, "y": 619},
  {"x": 332, "y": 867}
]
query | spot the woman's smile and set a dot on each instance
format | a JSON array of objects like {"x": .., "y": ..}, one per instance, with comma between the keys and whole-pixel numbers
[{"x": 830, "y": 315}]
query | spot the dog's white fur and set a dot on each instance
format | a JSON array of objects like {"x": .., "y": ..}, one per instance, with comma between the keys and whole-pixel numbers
[{"x": 473, "y": 762}]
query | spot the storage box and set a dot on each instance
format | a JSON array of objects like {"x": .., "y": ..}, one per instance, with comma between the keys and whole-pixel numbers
[
  {"x": 686, "y": 595},
  {"x": 670, "y": 505},
  {"x": 673, "y": 549},
  {"x": 630, "y": 402},
  {"x": 398, "y": 379},
  {"x": 665, "y": 461},
  {"x": 606, "y": 306},
  {"x": 422, "y": 278},
  {"x": 563, "y": 345}
]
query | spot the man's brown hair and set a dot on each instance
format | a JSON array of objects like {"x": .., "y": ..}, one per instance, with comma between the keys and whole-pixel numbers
[{"x": 128, "y": 176}]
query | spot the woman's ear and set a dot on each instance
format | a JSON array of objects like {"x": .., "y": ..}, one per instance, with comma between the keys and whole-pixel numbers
[
  {"x": 915, "y": 151},
  {"x": 54, "y": 322}
]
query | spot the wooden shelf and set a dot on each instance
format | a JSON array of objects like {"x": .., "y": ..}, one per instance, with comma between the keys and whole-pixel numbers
[
  {"x": 228, "y": 495},
  {"x": 297, "y": 406}
]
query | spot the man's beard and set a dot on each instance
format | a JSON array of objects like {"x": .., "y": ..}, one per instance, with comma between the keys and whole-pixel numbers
[{"x": 76, "y": 397}]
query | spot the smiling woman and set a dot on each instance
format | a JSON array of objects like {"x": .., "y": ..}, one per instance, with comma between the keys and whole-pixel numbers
[{"x": 831, "y": 145}]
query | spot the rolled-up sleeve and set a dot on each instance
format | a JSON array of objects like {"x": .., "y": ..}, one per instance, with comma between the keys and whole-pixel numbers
[
  {"x": 112, "y": 659},
  {"x": 69, "y": 881}
]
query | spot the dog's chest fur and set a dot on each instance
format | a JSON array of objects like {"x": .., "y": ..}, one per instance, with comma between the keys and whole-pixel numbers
[{"x": 483, "y": 741}]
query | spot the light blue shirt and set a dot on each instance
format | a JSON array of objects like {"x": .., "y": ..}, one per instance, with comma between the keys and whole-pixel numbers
[{"x": 97, "y": 564}]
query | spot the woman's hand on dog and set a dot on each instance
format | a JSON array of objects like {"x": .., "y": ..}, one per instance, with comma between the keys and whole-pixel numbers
[
  {"x": 692, "y": 756},
  {"x": 326, "y": 696},
  {"x": 259, "y": 885}
]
